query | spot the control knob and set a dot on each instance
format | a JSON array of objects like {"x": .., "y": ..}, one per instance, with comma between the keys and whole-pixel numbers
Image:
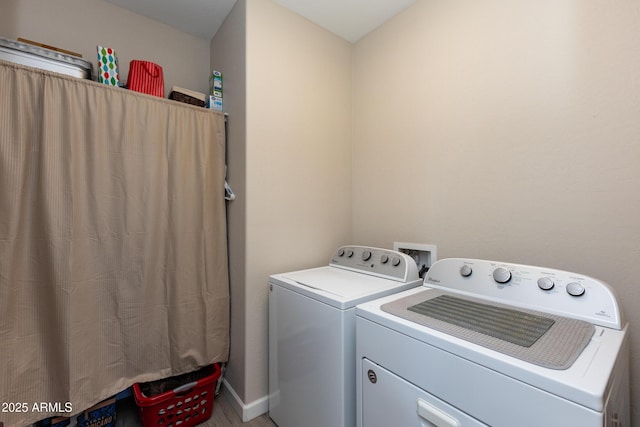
[
  {"x": 501, "y": 275},
  {"x": 366, "y": 255},
  {"x": 575, "y": 289},
  {"x": 384, "y": 259},
  {"x": 545, "y": 283},
  {"x": 349, "y": 253},
  {"x": 465, "y": 271},
  {"x": 395, "y": 261},
  {"x": 341, "y": 252}
]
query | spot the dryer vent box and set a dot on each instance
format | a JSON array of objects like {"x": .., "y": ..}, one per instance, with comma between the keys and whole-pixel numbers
[{"x": 423, "y": 254}]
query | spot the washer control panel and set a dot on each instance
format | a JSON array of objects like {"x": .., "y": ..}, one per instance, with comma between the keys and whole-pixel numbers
[
  {"x": 537, "y": 288},
  {"x": 377, "y": 262}
]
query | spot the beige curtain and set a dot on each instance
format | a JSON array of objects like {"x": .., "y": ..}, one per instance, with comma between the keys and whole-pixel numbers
[{"x": 113, "y": 262}]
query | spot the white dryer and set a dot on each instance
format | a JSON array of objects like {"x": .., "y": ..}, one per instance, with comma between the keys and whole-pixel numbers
[
  {"x": 486, "y": 343},
  {"x": 312, "y": 365}
]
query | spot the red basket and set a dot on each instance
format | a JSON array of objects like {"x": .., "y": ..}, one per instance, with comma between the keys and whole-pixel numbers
[{"x": 184, "y": 406}]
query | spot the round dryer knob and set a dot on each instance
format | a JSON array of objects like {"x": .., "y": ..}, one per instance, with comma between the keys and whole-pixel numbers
[
  {"x": 366, "y": 255},
  {"x": 575, "y": 289},
  {"x": 341, "y": 252},
  {"x": 384, "y": 259},
  {"x": 501, "y": 275},
  {"x": 349, "y": 253},
  {"x": 545, "y": 283},
  {"x": 465, "y": 271},
  {"x": 395, "y": 261}
]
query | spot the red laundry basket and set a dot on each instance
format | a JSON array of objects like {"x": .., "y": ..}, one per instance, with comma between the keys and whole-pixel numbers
[{"x": 186, "y": 406}]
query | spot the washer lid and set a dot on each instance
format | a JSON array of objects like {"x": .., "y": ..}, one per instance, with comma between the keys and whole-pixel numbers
[{"x": 338, "y": 287}]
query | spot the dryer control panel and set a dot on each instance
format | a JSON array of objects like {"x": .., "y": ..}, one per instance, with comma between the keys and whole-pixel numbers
[
  {"x": 537, "y": 288},
  {"x": 377, "y": 262}
]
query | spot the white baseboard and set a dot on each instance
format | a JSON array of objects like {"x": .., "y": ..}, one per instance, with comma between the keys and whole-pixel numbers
[{"x": 247, "y": 411}]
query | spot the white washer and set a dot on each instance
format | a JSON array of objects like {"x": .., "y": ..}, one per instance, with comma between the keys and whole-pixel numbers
[
  {"x": 494, "y": 344},
  {"x": 312, "y": 333}
]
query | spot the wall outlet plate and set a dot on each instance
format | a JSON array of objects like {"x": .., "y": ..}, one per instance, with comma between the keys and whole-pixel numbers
[{"x": 423, "y": 254}]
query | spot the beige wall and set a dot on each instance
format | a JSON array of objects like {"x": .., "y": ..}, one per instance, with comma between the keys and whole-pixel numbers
[
  {"x": 80, "y": 25},
  {"x": 506, "y": 131},
  {"x": 298, "y": 159},
  {"x": 292, "y": 173},
  {"x": 228, "y": 54}
]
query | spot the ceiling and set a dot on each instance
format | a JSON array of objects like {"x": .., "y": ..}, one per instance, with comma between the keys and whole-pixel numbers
[{"x": 349, "y": 19}]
